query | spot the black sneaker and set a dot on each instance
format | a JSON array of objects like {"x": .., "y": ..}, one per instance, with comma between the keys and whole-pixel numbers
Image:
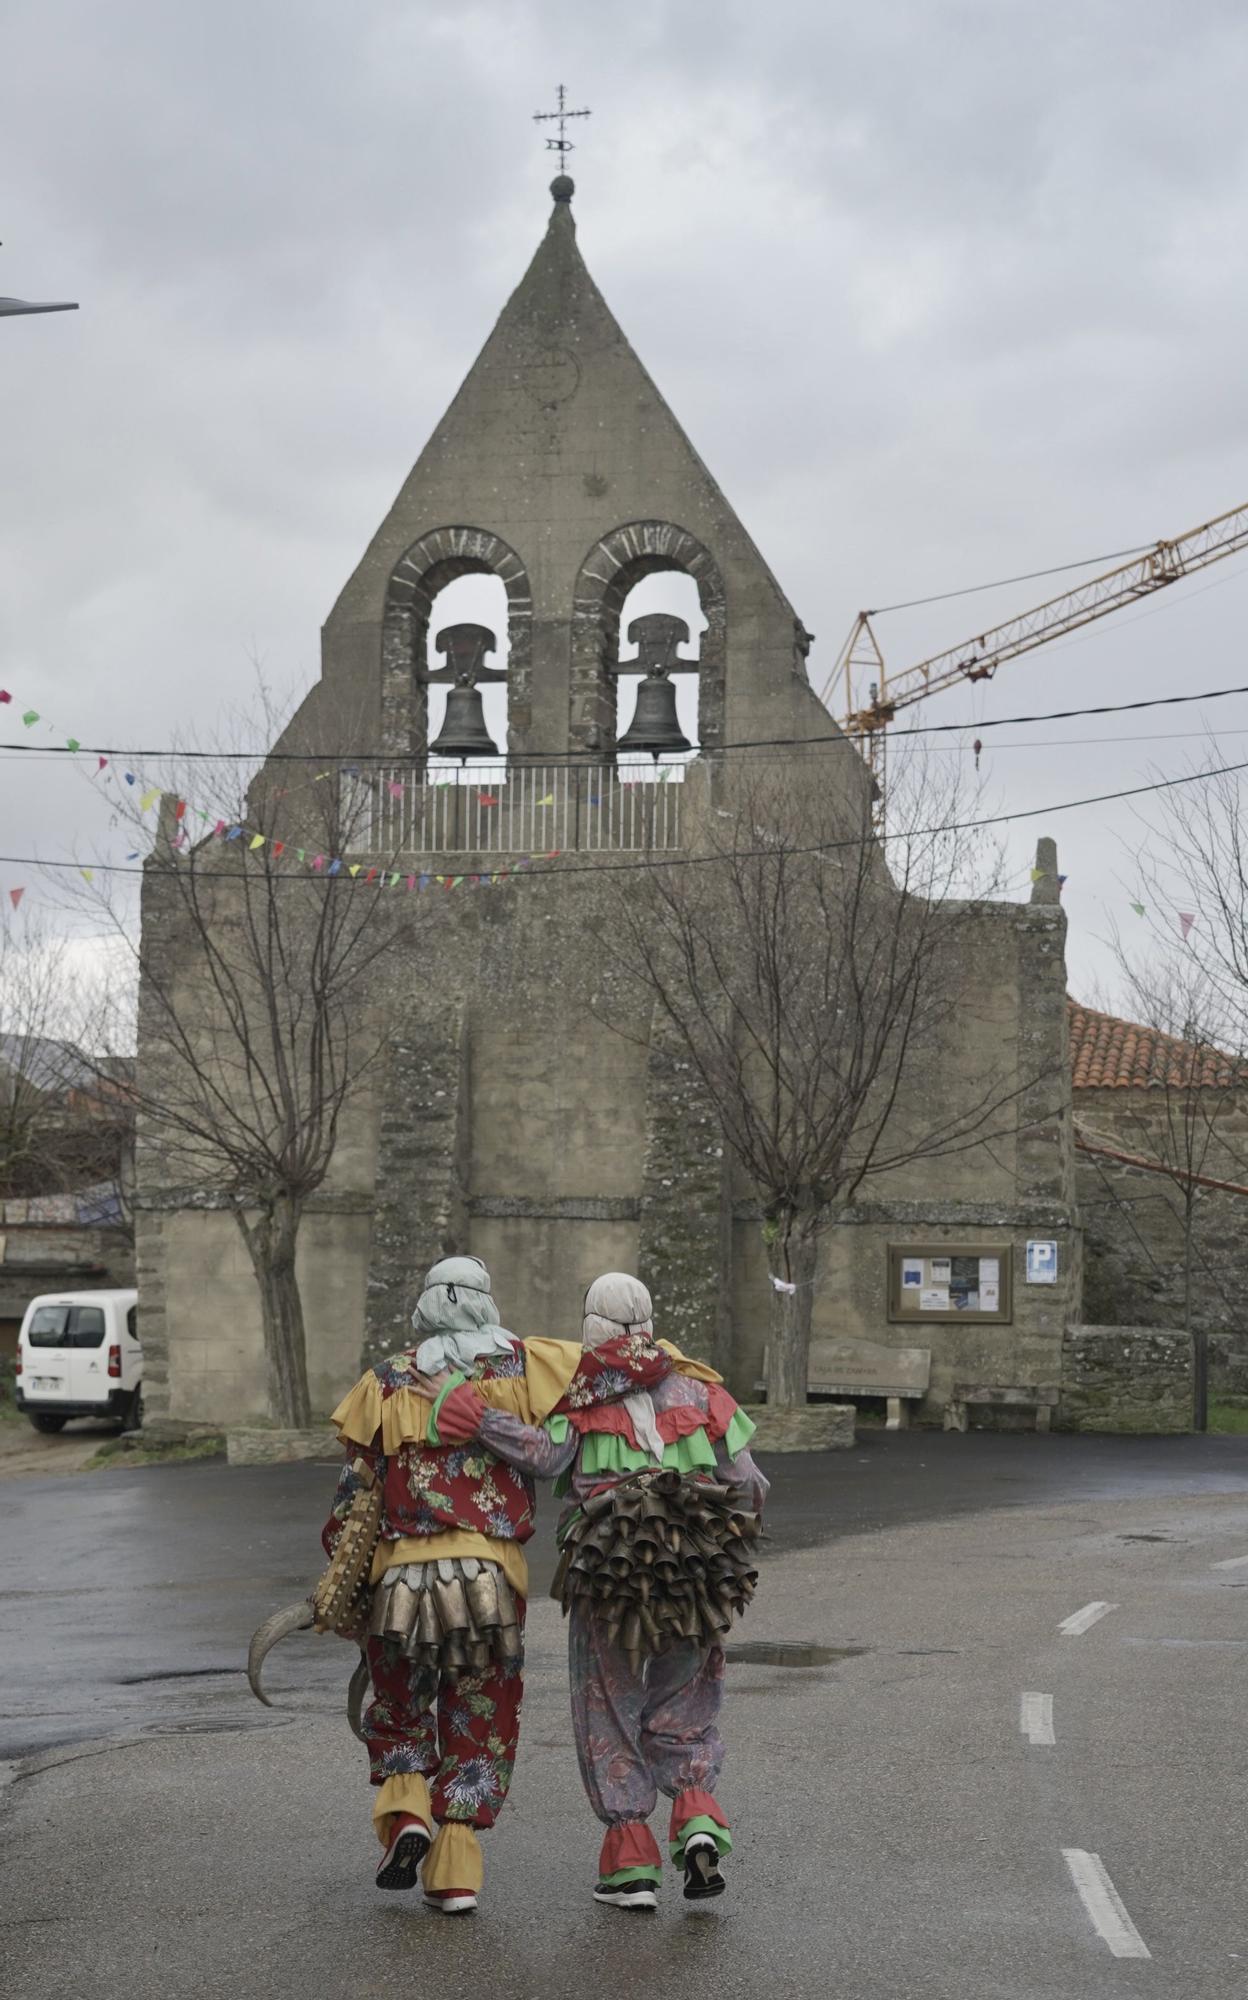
[
  {"x": 400, "y": 1864},
  {"x": 635, "y": 1895},
  {"x": 702, "y": 1876}
]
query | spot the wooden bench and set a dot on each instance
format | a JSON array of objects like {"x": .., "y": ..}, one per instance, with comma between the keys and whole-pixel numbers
[
  {"x": 855, "y": 1368},
  {"x": 966, "y": 1395}
]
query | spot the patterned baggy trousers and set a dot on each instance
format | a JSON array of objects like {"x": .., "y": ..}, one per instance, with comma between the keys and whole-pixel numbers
[
  {"x": 461, "y": 1735},
  {"x": 639, "y": 1734}
]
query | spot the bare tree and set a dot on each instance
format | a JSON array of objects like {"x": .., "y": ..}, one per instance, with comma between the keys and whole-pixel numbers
[
  {"x": 254, "y": 1024},
  {"x": 66, "y": 1111},
  {"x": 807, "y": 981}
]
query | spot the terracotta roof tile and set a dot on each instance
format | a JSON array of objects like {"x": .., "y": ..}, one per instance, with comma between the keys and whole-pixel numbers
[{"x": 1106, "y": 1053}]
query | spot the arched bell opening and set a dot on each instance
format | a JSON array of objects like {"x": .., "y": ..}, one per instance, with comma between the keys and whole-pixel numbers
[
  {"x": 645, "y": 569},
  {"x": 491, "y": 588},
  {"x": 661, "y": 623},
  {"x": 465, "y": 672}
]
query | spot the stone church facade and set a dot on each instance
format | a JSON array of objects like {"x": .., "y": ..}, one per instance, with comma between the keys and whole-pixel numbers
[{"x": 508, "y": 1120}]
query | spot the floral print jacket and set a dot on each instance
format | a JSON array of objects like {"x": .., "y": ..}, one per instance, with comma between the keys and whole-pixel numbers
[{"x": 432, "y": 1488}]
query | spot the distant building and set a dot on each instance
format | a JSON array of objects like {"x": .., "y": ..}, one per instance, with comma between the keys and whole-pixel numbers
[{"x": 1155, "y": 1114}]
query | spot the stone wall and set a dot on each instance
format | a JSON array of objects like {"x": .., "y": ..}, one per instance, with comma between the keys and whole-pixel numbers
[
  {"x": 1134, "y": 1226},
  {"x": 419, "y": 1209},
  {"x": 685, "y": 1246},
  {"x": 1125, "y": 1378}
]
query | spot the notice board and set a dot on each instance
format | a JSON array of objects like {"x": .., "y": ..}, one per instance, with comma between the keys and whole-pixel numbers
[{"x": 961, "y": 1283}]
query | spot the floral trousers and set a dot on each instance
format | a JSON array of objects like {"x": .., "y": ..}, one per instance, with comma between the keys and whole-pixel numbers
[{"x": 460, "y": 1735}]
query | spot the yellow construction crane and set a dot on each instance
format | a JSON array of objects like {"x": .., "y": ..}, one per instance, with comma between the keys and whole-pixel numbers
[{"x": 860, "y": 667}]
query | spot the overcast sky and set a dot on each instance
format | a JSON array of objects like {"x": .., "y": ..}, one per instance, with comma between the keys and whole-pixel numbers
[{"x": 952, "y": 291}]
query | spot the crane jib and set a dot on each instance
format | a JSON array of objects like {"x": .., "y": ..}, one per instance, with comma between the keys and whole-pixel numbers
[{"x": 976, "y": 659}]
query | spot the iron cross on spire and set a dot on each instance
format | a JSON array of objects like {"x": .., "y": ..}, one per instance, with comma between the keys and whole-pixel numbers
[{"x": 562, "y": 145}]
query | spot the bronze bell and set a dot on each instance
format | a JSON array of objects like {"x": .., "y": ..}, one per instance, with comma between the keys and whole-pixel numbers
[
  {"x": 463, "y": 733},
  {"x": 654, "y": 726}
]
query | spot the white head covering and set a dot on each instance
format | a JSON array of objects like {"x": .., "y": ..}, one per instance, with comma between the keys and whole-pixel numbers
[
  {"x": 617, "y": 1303},
  {"x": 458, "y": 1315}
]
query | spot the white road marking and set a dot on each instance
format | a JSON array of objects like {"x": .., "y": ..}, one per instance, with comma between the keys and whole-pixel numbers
[
  {"x": 1036, "y": 1718},
  {"x": 1079, "y": 1621},
  {"x": 1103, "y": 1904},
  {"x": 1231, "y": 1562}
]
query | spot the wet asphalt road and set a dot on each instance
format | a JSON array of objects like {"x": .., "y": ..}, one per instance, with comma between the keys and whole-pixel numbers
[
  {"x": 127, "y": 1598},
  {"x": 896, "y": 1831}
]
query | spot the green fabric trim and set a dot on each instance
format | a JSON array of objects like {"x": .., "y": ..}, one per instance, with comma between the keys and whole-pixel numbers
[
  {"x": 604, "y": 1453},
  {"x": 630, "y": 1875},
  {"x": 456, "y": 1381},
  {"x": 557, "y": 1429},
  {"x": 739, "y": 1433},
  {"x": 702, "y": 1824}
]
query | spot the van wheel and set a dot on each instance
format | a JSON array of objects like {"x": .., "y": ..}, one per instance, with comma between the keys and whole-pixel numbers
[
  {"x": 134, "y": 1415},
  {"x": 43, "y": 1420}
]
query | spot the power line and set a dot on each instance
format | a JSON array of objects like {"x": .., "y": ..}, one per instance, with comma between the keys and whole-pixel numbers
[
  {"x": 345, "y": 761},
  {"x": 685, "y": 860},
  {"x": 1028, "y": 576}
]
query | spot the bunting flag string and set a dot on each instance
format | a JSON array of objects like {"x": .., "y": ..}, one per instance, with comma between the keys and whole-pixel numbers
[{"x": 319, "y": 864}]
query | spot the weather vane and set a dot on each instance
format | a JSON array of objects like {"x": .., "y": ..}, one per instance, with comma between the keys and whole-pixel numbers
[{"x": 562, "y": 145}]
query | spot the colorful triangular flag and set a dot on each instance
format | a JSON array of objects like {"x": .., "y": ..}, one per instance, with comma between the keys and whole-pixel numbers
[
  {"x": 15, "y": 896},
  {"x": 1186, "y": 919},
  {"x": 1138, "y": 908}
]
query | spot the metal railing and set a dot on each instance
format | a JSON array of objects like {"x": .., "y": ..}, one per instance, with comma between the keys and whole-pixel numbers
[{"x": 533, "y": 809}]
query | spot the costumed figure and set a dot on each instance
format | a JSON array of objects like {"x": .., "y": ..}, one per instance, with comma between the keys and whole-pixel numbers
[
  {"x": 427, "y": 1570},
  {"x": 657, "y": 1558}
]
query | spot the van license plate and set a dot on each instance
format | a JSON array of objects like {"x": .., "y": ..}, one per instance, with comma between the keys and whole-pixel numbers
[{"x": 46, "y": 1382}]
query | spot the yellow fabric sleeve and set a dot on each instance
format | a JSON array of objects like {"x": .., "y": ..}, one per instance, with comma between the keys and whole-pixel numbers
[
  {"x": 697, "y": 1371},
  {"x": 454, "y": 1861},
  {"x": 509, "y": 1555},
  {"x": 549, "y": 1366},
  {"x": 357, "y": 1419},
  {"x": 405, "y": 1792}
]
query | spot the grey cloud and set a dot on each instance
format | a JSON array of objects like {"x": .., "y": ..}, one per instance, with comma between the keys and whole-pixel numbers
[{"x": 941, "y": 292}]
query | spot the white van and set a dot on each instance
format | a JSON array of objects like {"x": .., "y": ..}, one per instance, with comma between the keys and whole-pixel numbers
[{"x": 78, "y": 1355}]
